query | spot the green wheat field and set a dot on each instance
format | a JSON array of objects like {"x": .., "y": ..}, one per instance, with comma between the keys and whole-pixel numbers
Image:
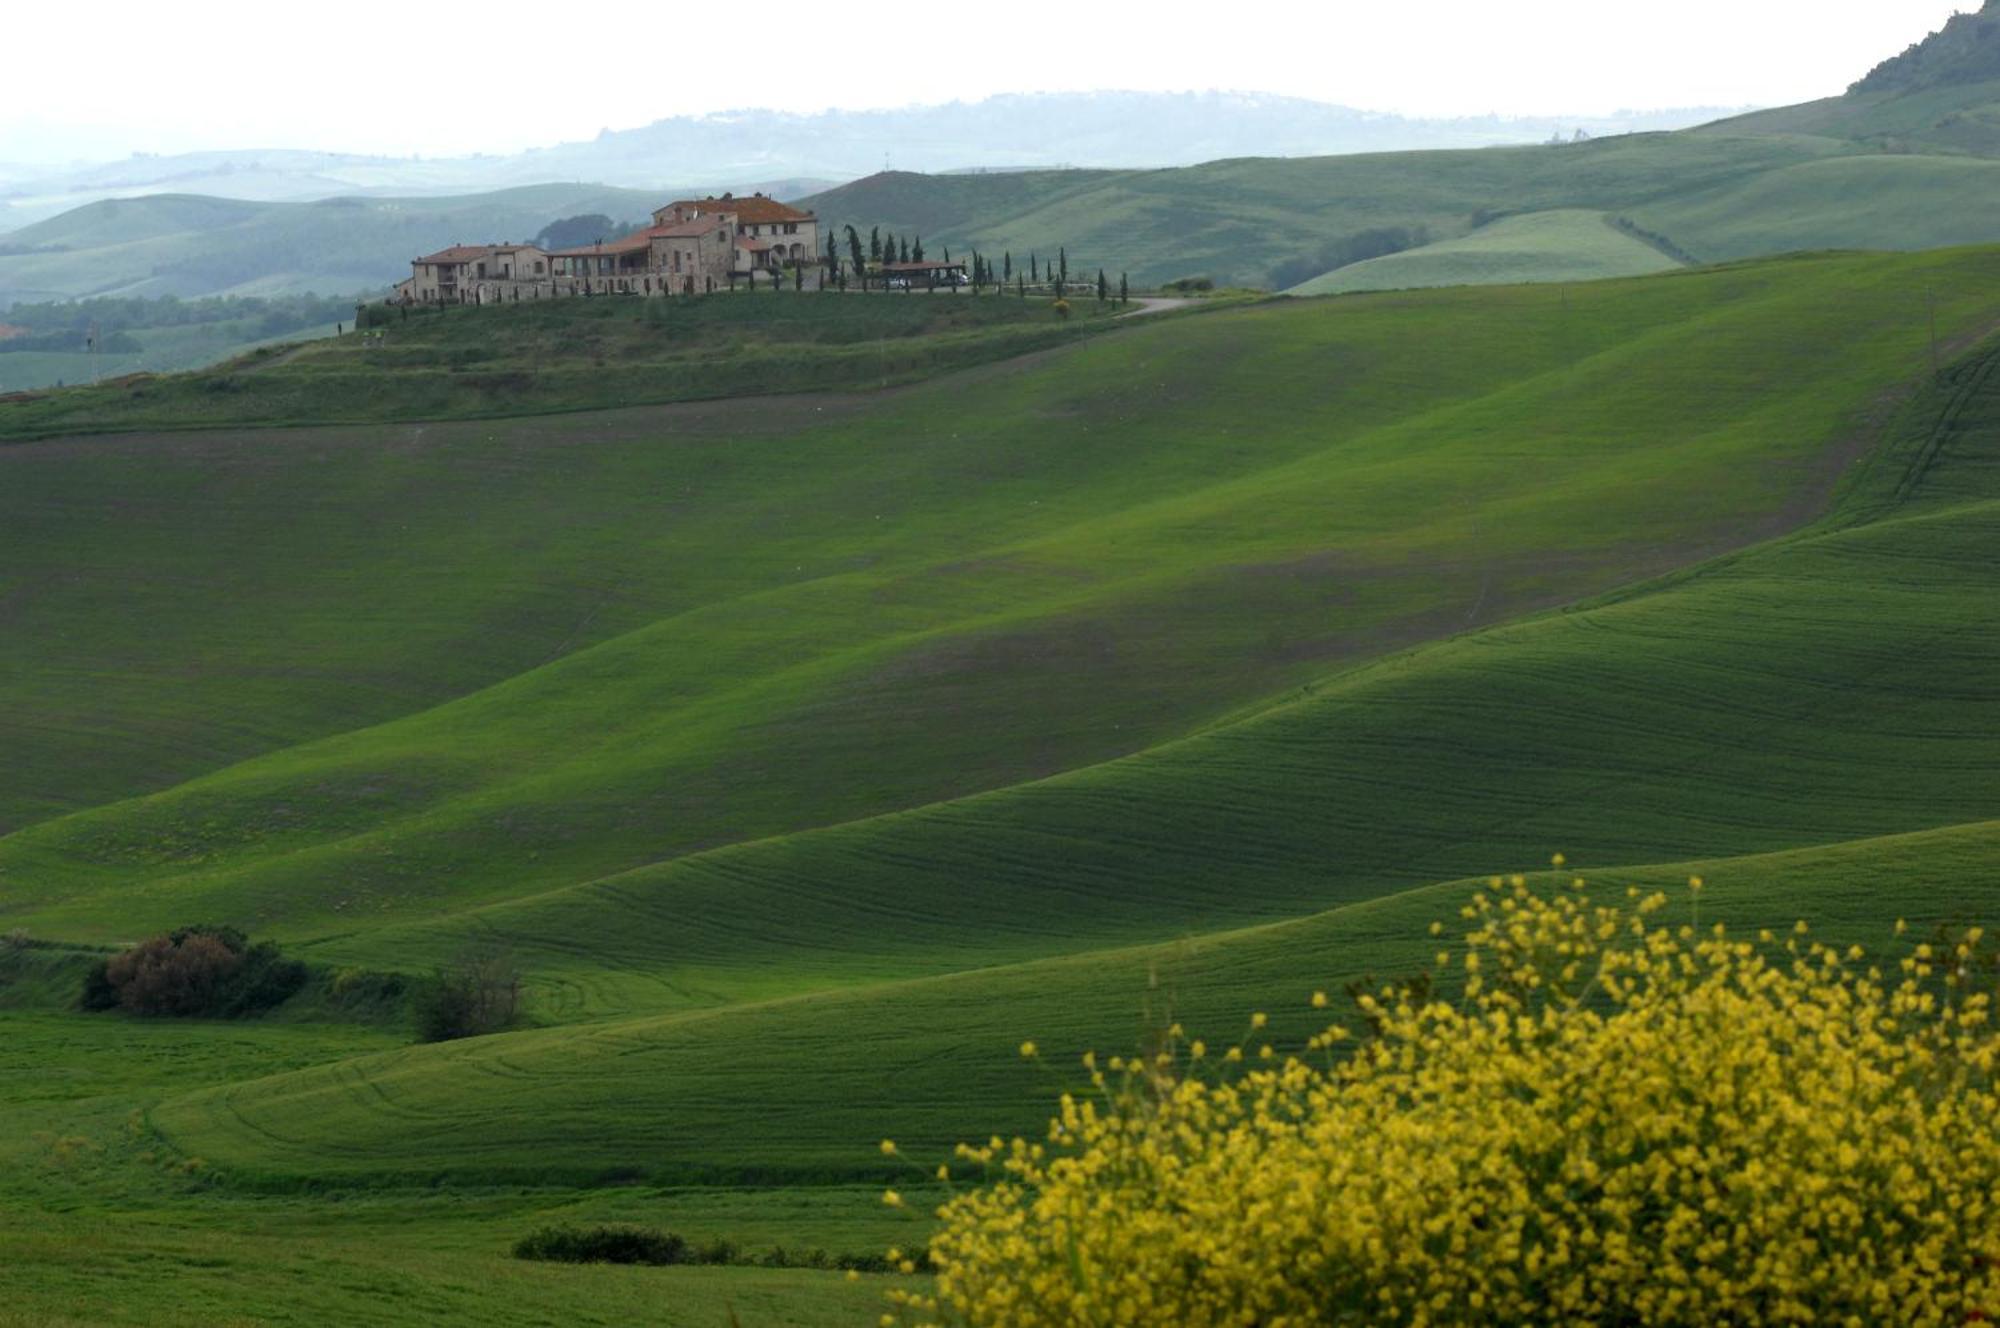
[{"x": 816, "y": 696}]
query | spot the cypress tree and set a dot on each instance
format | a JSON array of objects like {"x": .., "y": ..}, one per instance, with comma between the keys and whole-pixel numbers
[
  {"x": 906, "y": 251},
  {"x": 874, "y": 244},
  {"x": 1124, "y": 291},
  {"x": 1034, "y": 267},
  {"x": 917, "y": 249},
  {"x": 1103, "y": 287},
  {"x": 1007, "y": 265},
  {"x": 1065, "y": 265}
]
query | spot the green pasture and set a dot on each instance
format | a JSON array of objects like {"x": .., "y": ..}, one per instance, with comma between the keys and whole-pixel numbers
[
  {"x": 101, "y": 1225},
  {"x": 1543, "y": 246},
  {"x": 811, "y": 751},
  {"x": 573, "y": 354},
  {"x": 1822, "y": 713},
  {"x": 905, "y": 579}
]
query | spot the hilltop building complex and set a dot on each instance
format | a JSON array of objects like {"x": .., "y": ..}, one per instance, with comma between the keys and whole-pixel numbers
[{"x": 693, "y": 246}]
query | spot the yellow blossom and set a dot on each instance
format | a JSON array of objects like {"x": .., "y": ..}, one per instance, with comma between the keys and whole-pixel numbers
[{"x": 1624, "y": 1123}]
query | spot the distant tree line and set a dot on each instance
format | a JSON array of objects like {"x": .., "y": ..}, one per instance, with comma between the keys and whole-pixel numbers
[
  {"x": 576, "y": 232},
  {"x": 1379, "y": 242}
]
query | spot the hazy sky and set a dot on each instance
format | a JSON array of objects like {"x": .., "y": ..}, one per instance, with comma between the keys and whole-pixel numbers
[{"x": 369, "y": 76}]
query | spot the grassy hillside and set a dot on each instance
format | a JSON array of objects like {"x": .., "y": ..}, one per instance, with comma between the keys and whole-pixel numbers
[
  {"x": 1236, "y": 221},
  {"x": 1879, "y": 202},
  {"x": 907, "y": 577},
  {"x": 1766, "y": 698},
  {"x": 189, "y": 246},
  {"x": 160, "y": 350},
  {"x": 1543, "y": 246},
  {"x": 811, "y": 751},
  {"x": 572, "y": 354}
]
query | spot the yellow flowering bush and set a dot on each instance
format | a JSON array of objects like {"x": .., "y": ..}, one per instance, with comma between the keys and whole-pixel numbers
[{"x": 1614, "y": 1121}]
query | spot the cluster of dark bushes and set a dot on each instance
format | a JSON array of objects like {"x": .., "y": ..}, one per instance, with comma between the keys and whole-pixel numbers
[
  {"x": 649, "y": 1245},
  {"x": 203, "y": 971},
  {"x": 1346, "y": 251},
  {"x": 479, "y": 994},
  {"x": 1189, "y": 285}
]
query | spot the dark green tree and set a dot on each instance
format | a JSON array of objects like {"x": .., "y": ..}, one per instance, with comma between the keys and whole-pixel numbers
[
  {"x": 1103, "y": 287},
  {"x": 1007, "y": 265},
  {"x": 1065, "y": 266},
  {"x": 874, "y": 244},
  {"x": 1034, "y": 267},
  {"x": 917, "y": 250},
  {"x": 1124, "y": 291},
  {"x": 906, "y": 250},
  {"x": 854, "y": 249}
]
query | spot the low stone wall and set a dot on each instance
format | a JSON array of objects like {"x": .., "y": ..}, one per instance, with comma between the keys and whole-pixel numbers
[{"x": 646, "y": 284}]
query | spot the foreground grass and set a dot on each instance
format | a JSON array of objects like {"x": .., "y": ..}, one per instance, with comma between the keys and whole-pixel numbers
[{"x": 99, "y": 1225}]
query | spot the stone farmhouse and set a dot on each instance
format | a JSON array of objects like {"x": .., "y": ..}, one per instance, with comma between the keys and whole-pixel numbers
[{"x": 692, "y": 247}]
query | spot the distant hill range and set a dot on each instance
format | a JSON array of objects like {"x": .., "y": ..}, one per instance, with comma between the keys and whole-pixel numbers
[
  {"x": 1908, "y": 158},
  {"x": 789, "y": 154}
]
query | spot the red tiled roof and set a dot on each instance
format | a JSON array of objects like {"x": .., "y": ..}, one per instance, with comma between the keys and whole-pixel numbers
[
  {"x": 688, "y": 229},
  {"x": 755, "y": 210},
  {"x": 624, "y": 244},
  {"x": 754, "y": 246},
  {"x": 643, "y": 239},
  {"x": 458, "y": 253}
]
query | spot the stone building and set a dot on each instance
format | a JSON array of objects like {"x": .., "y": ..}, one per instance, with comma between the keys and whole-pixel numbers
[
  {"x": 453, "y": 276},
  {"x": 693, "y": 246}
]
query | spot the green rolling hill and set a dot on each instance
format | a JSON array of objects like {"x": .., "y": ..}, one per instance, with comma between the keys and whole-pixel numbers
[
  {"x": 1539, "y": 247},
  {"x": 1901, "y": 161},
  {"x": 1790, "y": 706},
  {"x": 809, "y": 751},
  {"x": 191, "y": 245}
]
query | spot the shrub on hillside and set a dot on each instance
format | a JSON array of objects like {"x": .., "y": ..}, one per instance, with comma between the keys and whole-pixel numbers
[
  {"x": 196, "y": 971},
  {"x": 649, "y": 1245},
  {"x": 479, "y": 994},
  {"x": 607, "y": 1244},
  {"x": 1614, "y": 1122}
]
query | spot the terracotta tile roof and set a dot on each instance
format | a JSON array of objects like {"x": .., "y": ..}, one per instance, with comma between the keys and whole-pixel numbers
[
  {"x": 643, "y": 239},
  {"x": 688, "y": 229},
  {"x": 754, "y": 246},
  {"x": 458, "y": 253},
  {"x": 624, "y": 244},
  {"x": 756, "y": 210}
]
